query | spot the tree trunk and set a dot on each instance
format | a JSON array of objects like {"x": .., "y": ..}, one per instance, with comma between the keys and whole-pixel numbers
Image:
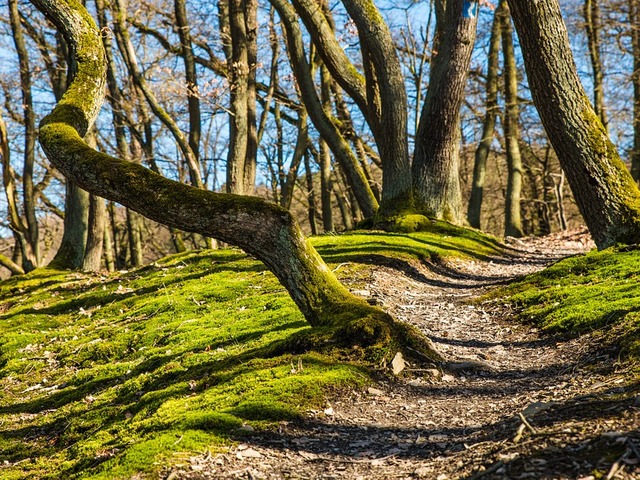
[
  {"x": 264, "y": 230},
  {"x": 435, "y": 165},
  {"x": 311, "y": 197},
  {"x": 95, "y": 234},
  {"x": 327, "y": 129},
  {"x": 31, "y": 233},
  {"x": 324, "y": 159},
  {"x": 488, "y": 127},
  {"x": 70, "y": 254},
  {"x": 385, "y": 86},
  {"x": 193, "y": 96},
  {"x": 241, "y": 158},
  {"x": 134, "y": 229},
  {"x": 634, "y": 25},
  {"x": 512, "y": 216},
  {"x": 591, "y": 13},
  {"x": 607, "y": 196}
]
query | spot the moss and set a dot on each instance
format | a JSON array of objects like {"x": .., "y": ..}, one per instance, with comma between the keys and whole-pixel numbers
[
  {"x": 107, "y": 376},
  {"x": 599, "y": 290},
  {"x": 622, "y": 194}
]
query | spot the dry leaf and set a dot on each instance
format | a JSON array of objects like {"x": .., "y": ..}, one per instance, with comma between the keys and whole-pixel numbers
[{"x": 397, "y": 363}]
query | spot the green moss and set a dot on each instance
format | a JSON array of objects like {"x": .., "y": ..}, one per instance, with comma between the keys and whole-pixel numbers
[
  {"x": 599, "y": 290},
  {"x": 106, "y": 376}
]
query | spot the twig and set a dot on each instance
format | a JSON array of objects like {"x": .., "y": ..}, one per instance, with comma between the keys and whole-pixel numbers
[
  {"x": 616, "y": 467},
  {"x": 519, "y": 432},
  {"x": 526, "y": 423},
  {"x": 489, "y": 470}
]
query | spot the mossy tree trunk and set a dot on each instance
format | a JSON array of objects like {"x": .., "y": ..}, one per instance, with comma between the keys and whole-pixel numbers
[
  {"x": 436, "y": 184},
  {"x": 263, "y": 229},
  {"x": 605, "y": 192},
  {"x": 380, "y": 95},
  {"x": 488, "y": 126}
]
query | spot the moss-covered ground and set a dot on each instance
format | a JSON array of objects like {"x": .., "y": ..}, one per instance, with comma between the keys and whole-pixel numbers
[
  {"x": 599, "y": 290},
  {"x": 109, "y": 376}
]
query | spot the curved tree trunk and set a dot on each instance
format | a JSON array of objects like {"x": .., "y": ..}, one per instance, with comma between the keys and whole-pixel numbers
[
  {"x": 264, "y": 230},
  {"x": 607, "y": 196},
  {"x": 436, "y": 184}
]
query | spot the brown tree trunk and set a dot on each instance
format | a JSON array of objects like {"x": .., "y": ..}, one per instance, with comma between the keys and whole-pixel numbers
[
  {"x": 327, "y": 129},
  {"x": 435, "y": 166},
  {"x": 264, "y": 230},
  {"x": 95, "y": 234},
  {"x": 634, "y": 25},
  {"x": 512, "y": 216},
  {"x": 31, "y": 257},
  {"x": 241, "y": 158},
  {"x": 591, "y": 13},
  {"x": 70, "y": 254},
  {"x": 311, "y": 197},
  {"x": 193, "y": 96},
  {"x": 488, "y": 127},
  {"x": 607, "y": 196}
]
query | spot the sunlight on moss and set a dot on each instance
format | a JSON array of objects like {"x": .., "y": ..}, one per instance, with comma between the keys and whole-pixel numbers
[
  {"x": 598, "y": 290},
  {"x": 104, "y": 376}
]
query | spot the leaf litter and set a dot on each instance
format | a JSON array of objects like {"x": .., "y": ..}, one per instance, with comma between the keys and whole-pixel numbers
[{"x": 516, "y": 404}]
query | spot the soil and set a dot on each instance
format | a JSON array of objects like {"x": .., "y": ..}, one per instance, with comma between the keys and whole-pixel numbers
[{"x": 514, "y": 404}]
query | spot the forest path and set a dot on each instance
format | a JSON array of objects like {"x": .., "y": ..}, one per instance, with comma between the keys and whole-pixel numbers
[{"x": 527, "y": 405}]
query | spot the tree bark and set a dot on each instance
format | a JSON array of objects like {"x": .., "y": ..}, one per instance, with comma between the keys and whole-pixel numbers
[
  {"x": 488, "y": 126},
  {"x": 92, "y": 260},
  {"x": 325, "y": 126},
  {"x": 31, "y": 258},
  {"x": 241, "y": 158},
  {"x": 591, "y": 13},
  {"x": 70, "y": 254},
  {"x": 607, "y": 196},
  {"x": 436, "y": 184},
  {"x": 193, "y": 96},
  {"x": 512, "y": 216},
  {"x": 634, "y": 25},
  {"x": 264, "y": 230}
]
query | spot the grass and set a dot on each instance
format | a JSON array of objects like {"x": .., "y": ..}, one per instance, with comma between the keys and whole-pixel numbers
[
  {"x": 584, "y": 293},
  {"x": 109, "y": 376}
]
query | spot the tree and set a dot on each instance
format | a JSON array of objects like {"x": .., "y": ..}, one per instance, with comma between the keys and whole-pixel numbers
[
  {"x": 263, "y": 229},
  {"x": 435, "y": 165},
  {"x": 489, "y": 124},
  {"x": 605, "y": 192},
  {"x": 512, "y": 216}
]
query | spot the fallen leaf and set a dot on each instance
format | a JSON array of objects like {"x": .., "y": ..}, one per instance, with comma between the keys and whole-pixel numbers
[{"x": 397, "y": 363}]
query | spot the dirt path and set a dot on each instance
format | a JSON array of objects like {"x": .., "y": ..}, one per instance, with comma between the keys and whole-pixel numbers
[{"x": 524, "y": 406}]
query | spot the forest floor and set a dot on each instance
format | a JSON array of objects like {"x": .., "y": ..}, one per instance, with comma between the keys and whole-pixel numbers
[{"x": 522, "y": 404}]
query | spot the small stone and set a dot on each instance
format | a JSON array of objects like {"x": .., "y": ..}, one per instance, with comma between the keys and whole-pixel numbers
[{"x": 374, "y": 391}]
